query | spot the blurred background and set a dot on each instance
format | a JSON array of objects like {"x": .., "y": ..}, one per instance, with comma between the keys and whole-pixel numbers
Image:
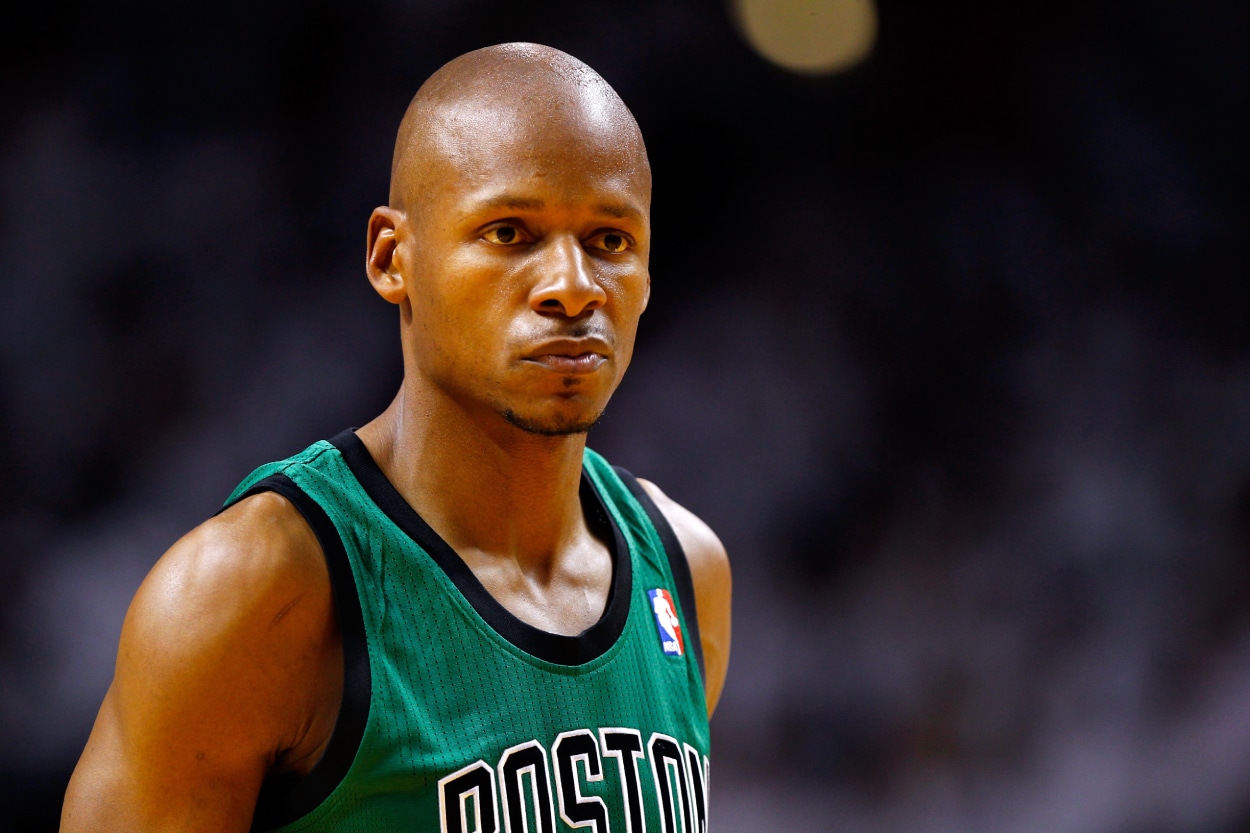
[{"x": 949, "y": 341}]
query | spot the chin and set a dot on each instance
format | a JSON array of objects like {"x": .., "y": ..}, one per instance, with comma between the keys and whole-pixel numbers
[{"x": 553, "y": 425}]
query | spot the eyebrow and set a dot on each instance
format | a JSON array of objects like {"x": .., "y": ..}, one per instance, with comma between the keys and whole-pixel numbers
[
  {"x": 518, "y": 203},
  {"x": 618, "y": 210},
  {"x": 512, "y": 201}
]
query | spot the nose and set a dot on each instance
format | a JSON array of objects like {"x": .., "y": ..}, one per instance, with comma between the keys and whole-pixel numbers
[{"x": 568, "y": 285}]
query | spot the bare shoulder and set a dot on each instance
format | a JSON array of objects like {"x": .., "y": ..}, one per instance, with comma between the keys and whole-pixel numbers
[
  {"x": 713, "y": 585},
  {"x": 253, "y": 569},
  {"x": 248, "y": 557},
  {"x": 704, "y": 549},
  {"x": 220, "y": 675}
]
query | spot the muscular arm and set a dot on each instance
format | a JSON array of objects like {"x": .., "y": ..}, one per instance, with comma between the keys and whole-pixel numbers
[
  {"x": 226, "y": 671},
  {"x": 713, "y": 586}
]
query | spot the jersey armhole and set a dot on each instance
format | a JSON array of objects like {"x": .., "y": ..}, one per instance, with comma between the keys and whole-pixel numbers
[
  {"x": 287, "y": 798},
  {"x": 677, "y": 563}
]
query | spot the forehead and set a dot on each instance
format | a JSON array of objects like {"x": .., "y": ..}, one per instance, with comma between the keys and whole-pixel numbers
[{"x": 584, "y": 146}]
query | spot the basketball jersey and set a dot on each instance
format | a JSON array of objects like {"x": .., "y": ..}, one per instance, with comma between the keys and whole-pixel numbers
[{"x": 457, "y": 716}]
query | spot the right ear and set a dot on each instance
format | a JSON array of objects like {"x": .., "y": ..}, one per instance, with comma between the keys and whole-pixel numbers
[{"x": 384, "y": 268}]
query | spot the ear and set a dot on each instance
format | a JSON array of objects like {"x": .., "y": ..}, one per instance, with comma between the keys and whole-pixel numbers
[{"x": 382, "y": 264}]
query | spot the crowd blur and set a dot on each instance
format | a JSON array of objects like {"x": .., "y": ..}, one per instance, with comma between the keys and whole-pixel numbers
[{"x": 952, "y": 348}]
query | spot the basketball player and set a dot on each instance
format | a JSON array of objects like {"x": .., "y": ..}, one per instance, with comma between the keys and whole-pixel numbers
[{"x": 456, "y": 617}]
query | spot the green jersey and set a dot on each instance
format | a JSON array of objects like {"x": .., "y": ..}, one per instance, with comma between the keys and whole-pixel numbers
[{"x": 459, "y": 717}]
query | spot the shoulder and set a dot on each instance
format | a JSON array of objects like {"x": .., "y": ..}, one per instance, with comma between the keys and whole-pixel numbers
[
  {"x": 704, "y": 550},
  {"x": 237, "y": 607},
  {"x": 713, "y": 585},
  {"x": 238, "y": 570},
  {"x": 224, "y": 670},
  {"x": 244, "y": 596}
]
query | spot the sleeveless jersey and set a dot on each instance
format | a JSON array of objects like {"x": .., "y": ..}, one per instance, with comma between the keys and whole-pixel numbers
[{"x": 457, "y": 716}]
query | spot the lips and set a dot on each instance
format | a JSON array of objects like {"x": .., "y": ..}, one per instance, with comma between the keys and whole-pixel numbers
[{"x": 570, "y": 356}]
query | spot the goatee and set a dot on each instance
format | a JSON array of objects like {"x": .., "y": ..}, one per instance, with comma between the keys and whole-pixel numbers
[{"x": 551, "y": 428}]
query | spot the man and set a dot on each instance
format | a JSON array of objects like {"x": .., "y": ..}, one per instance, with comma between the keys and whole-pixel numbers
[{"x": 455, "y": 618}]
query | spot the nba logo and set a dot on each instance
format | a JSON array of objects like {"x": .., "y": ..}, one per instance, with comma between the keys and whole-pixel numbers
[{"x": 666, "y": 621}]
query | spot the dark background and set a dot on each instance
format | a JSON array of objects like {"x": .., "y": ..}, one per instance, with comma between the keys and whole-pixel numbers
[{"x": 951, "y": 349}]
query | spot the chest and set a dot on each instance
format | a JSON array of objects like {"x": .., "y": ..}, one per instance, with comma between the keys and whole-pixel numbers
[{"x": 468, "y": 733}]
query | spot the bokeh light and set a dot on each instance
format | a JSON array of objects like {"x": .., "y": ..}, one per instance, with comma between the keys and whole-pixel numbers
[{"x": 812, "y": 37}]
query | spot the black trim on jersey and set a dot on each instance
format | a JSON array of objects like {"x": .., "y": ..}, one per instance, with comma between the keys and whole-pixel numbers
[
  {"x": 680, "y": 567},
  {"x": 285, "y": 798},
  {"x": 562, "y": 650}
]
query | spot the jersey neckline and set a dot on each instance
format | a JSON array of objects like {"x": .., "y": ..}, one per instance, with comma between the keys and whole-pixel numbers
[{"x": 549, "y": 647}]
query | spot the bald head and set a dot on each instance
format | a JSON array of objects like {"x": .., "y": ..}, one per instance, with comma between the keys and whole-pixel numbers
[{"x": 516, "y": 98}]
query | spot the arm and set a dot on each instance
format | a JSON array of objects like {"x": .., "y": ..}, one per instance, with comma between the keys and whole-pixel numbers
[
  {"x": 226, "y": 672},
  {"x": 713, "y": 586}
]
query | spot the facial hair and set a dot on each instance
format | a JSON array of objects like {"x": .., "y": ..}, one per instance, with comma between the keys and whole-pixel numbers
[{"x": 552, "y": 428}]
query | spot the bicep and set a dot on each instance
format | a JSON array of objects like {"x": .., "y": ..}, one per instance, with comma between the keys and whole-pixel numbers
[
  {"x": 152, "y": 763},
  {"x": 162, "y": 752},
  {"x": 713, "y": 587},
  {"x": 128, "y": 779},
  {"x": 98, "y": 784}
]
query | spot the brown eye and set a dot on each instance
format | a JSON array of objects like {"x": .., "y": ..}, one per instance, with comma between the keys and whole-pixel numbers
[
  {"x": 612, "y": 242},
  {"x": 503, "y": 235}
]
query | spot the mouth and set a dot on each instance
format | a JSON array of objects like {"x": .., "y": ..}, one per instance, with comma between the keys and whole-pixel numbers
[{"x": 570, "y": 357}]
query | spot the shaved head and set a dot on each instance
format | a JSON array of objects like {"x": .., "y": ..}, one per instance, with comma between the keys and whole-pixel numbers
[{"x": 515, "y": 98}]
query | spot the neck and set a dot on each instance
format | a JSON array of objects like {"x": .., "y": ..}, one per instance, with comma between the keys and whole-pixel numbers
[{"x": 481, "y": 483}]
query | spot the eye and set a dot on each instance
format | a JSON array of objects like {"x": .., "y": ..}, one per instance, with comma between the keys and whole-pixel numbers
[
  {"x": 611, "y": 241},
  {"x": 503, "y": 235}
]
